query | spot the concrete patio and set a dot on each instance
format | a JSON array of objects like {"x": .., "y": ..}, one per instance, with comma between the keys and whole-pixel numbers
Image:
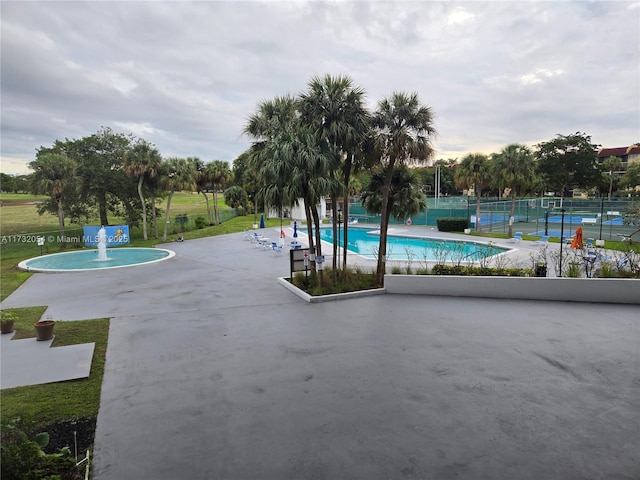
[{"x": 215, "y": 371}]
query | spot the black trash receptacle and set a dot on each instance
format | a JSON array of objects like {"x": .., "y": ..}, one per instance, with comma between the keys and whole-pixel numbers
[{"x": 541, "y": 271}]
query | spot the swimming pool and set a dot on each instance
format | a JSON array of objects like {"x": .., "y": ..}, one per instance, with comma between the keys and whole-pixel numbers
[{"x": 365, "y": 242}]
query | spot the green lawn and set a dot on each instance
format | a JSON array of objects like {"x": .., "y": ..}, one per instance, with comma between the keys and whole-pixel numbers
[{"x": 61, "y": 401}]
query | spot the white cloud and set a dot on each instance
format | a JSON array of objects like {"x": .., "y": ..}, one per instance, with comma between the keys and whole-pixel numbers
[{"x": 186, "y": 75}]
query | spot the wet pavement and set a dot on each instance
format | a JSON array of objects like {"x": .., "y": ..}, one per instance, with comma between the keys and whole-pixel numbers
[{"x": 214, "y": 371}]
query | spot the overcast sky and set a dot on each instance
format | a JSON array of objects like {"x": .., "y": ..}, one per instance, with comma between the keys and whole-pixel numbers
[{"x": 186, "y": 75}]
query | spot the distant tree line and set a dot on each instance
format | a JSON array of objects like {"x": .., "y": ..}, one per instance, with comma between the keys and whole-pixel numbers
[
  {"x": 323, "y": 142},
  {"x": 115, "y": 174}
]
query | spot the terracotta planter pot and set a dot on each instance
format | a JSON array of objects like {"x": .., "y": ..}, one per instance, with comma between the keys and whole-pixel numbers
[
  {"x": 6, "y": 326},
  {"x": 45, "y": 329}
]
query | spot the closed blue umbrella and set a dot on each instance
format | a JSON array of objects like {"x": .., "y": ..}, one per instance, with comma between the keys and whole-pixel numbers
[
  {"x": 295, "y": 229},
  {"x": 262, "y": 221}
]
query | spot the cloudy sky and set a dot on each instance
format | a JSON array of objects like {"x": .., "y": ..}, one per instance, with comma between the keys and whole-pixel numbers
[{"x": 186, "y": 75}]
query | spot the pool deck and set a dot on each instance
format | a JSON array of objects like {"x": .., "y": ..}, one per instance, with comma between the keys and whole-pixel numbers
[{"x": 215, "y": 371}]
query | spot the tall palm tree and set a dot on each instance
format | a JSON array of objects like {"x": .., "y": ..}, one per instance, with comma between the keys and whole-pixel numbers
[
  {"x": 142, "y": 161},
  {"x": 53, "y": 174},
  {"x": 286, "y": 155},
  {"x": 336, "y": 112},
  {"x": 404, "y": 130},
  {"x": 473, "y": 172},
  {"x": 180, "y": 175},
  {"x": 203, "y": 182},
  {"x": 513, "y": 168},
  {"x": 219, "y": 174},
  {"x": 609, "y": 167},
  {"x": 406, "y": 198}
]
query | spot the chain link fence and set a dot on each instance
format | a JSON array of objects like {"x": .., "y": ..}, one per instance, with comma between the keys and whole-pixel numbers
[{"x": 599, "y": 219}]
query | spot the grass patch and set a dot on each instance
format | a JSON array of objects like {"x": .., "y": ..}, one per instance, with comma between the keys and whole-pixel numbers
[{"x": 61, "y": 401}]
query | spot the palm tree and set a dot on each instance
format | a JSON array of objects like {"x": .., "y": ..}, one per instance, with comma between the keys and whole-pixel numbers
[
  {"x": 287, "y": 156},
  {"x": 180, "y": 175},
  {"x": 53, "y": 174},
  {"x": 404, "y": 130},
  {"x": 219, "y": 174},
  {"x": 610, "y": 166},
  {"x": 513, "y": 168},
  {"x": 335, "y": 110},
  {"x": 142, "y": 161},
  {"x": 473, "y": 172},
  {"x": 203, "y": 182},
  {"x": 406, "y": 198}
]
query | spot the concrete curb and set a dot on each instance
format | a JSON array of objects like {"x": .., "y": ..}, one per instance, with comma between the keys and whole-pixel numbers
[
  {"x": 284, "y": 281},
  {"x": 589, "y": 290},
  {"x": 586, "y": 290}
]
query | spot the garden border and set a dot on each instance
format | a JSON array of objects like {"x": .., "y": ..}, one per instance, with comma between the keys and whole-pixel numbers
[{"x": 586, "y": 290}]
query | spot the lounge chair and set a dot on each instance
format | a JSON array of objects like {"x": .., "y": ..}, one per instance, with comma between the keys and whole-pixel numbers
[
  {"x": 543, "y": 239},
  {"x": 517, "y": 237}
]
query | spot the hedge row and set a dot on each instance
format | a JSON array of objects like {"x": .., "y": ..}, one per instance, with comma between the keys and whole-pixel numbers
[
  {"x": 465, "y": 270},
  {"x": 452, "y": 224}
]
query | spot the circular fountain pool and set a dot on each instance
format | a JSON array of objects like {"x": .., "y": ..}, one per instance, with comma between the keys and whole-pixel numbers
[{"x": 86, "y": 260}]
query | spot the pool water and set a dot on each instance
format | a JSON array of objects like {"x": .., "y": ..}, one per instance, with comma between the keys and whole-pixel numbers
[
  {"x": 82, "y": 260},
  {"x": 365, "y": 242}
]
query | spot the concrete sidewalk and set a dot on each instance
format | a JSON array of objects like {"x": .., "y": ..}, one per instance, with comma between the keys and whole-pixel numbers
[{"x": 215, "y": 371}]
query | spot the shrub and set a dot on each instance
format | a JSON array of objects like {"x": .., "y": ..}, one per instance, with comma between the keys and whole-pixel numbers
[
  {"x": 479, "y": 271},
  {"x": 452, "y": 224},
  {"x": 23, "y": 457},
  {"x": 200, "y": 222}
]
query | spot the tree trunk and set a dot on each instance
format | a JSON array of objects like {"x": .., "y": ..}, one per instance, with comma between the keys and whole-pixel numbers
[
  {"x": 513, "y": 211},
  {"x": 153, "y": 213},
  {"x": 208, "y": 208},
  {"x": 307, "y": 212},
  {"x": 384, "y": 225},
  {"x": 215, "y": 207},
  {"x": 61, "y": 221},
  {"x": 336, "y": 240},
  {"x": 316, "y": 223},
  {"x": 478, "y": 224},
  {"x": 345, "y": 236},
  {"x": 102, "y": 207},
  {"x": 166, "y": 222},
  {"x": 144, "y": 208},
  {"x": 610, "y": 185}
]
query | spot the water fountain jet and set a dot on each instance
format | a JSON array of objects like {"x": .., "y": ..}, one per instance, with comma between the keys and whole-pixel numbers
[{"x": 102, "y": 245}]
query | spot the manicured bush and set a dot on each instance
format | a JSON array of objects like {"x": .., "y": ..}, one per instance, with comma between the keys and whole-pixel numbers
[
  {"x": 452, "y": 224},
  {"x": 200, "y": 222},
  {"x": 464, "y": 270}
]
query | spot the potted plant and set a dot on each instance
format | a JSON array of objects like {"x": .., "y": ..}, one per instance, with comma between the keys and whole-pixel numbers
[
  {"x": 44, "y": 328},
  {"x": 6, "y": 321}
]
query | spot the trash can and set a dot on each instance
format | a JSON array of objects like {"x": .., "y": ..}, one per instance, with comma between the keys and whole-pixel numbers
[{"x": 541, "y": 271}]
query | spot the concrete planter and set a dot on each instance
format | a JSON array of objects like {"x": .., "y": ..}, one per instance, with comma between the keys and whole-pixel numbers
[
  {"x": 596, "y": 290},
  {"x": 284, "y": 281}
]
